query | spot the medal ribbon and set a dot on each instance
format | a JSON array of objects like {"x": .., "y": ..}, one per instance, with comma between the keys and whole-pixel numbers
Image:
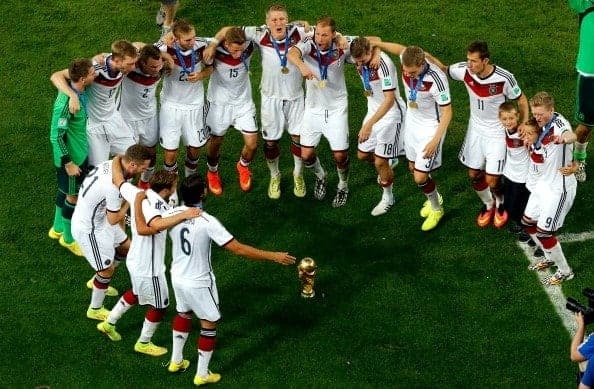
[
  {"x": 412, "y": 95},
  {"x": 182, "y": 60},
  {"x": 321, "y": 61},
  {"x": 366, "y": 74},
  {"x": 545, "y": 131},
  {"x": 283, "y": 56}
]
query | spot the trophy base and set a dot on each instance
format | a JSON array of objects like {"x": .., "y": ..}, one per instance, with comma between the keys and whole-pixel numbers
[{"x": 308, "y": 295}]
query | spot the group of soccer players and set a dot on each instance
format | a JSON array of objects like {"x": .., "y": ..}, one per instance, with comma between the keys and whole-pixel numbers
[{"x": 109, "y": 107}]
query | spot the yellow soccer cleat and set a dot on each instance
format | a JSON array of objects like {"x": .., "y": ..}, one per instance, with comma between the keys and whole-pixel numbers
[
  {"x": 149, "y": 349},
  {"x": 299, "y": 186},
  {"x": 97, "y": 313},
  {"x": 73, "y": 247},
  {"x": 211, "y": 378},
  {"x": 175, "y": 367},
  {"x": 432, "y": 220},
  {"x": 109, "y": 330},
  {"x": 52, "y": 233},
  {"x": 274, "y": 191},
  {"x": 427, "y": 206}
]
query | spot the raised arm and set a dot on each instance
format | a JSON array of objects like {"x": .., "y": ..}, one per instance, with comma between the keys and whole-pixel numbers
[
  {"x": 244, "y": 250},
  {"x": 61, "y": 81},
  {"x": 294, "y": 56}
]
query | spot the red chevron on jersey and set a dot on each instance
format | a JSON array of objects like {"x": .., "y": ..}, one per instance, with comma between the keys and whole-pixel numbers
[
  {"x": 294, "y": 37},
  {"x": 536, "y": 158},
  {"x": 483, "y": 90},
  {"x": 373, "y": 73},
  {"x": 426, "y": 84},
  {"x": 328, "y": 57},
  {"x": 187, "y": 58},
  {"x": 108, "y": 82},
  {"x": 143, "y": 79},
  {"x": 223, "y": 55},
  {"x": 513, "y": 143}
]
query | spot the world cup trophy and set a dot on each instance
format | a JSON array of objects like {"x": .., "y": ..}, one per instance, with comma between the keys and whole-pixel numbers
[{"x": 307, "y": 273}]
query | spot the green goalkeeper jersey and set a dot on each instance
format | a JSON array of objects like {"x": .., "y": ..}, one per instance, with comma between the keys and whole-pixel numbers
[
  {"x": 68, "y": 134},
  {"x": 585, "y": 58}
]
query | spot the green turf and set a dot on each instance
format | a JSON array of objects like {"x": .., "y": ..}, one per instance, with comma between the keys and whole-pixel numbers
[{"x": 395, "y": 307}]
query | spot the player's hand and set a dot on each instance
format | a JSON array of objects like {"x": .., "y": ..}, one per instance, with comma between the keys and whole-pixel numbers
[
  {"x": 341, "y": 42},
  {"x": 579, "y": 319},
  {"x": 168, "y": 39},
  {"x": 209, "y": 53},
  {"x": 430, "y": 148},
  {"x": 283, "y": 258},
  {"x": 193, "y": 77},
  {"x": 364, "y": 133},
  {"x": 558, "y": 139},
  {"x": 192, "y": 212},
  {"x": 100, "y": 58},
  {"x": 307, "y": 73},
  {"x": 117, "y": 171},
  {"x": 73, "y": 105},
  {"x": 375, "y": 60},
  {"x": 569, "y": 169},
  {"x": 72, "y": 169}
]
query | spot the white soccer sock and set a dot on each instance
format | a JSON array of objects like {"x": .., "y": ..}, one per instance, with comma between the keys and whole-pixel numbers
[
  {"x": 148, "y": 330},
  {"x": 97, "y": 297},
  {"x": 486, "y": 197},
  {"x": 580, "y": 147},
  {"x": 118, "y": 311},
  {"x": 556, "y": 255},
  {"x": 273, "y": 166},
  {"x": 179, "y": 341},
  {"x": 203, "y": 361},
  {"x": 318, "y": 169},
  {"x": 433, "y": 198},
  {"x": 298, "y": 169},
  {"x": 343, "y": 178},
  {"x": 498, "y": 199},
  {"x": 387, "y": 193}
]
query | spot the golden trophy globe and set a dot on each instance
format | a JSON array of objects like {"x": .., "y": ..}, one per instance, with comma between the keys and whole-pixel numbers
[{"x": 307, "y": 273}]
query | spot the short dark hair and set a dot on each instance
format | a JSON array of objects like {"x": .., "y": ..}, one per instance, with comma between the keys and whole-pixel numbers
[
  {"x": 138, "y": 153},
  {"x": 79, "y": 68},
  {"x": 480, "y": 47},
  {"x": 192, "y": 189},
  {"x": 235, "y": 35},
  {"x": 327, "y": 21}
]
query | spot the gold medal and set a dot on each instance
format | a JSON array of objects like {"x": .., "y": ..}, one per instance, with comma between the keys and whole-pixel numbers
[
  {"x": 284, "y": 70},
  {"x": 322, "y": 83},
  {"x": 367, "y": 92},
  {"x": 413, "y": 104}
]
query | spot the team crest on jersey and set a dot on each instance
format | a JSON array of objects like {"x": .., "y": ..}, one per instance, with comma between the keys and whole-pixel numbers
[
  {"x": 159, "y": 204},
  {"x": 492, "y": 89},
  {"x": 62, "y": 122}
]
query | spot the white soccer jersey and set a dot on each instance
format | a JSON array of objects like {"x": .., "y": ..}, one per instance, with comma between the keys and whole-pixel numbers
[
  {"x": 333, "y": 95},
  {"x": 274, "y": 83},
  {"x": 433, "y": 92},
  {"x": 97, "y": 195},
  {"x": 229, "y": 82},
  {"x": 177, "y": 90},
  {"x": 146, "y": 257},
  {"x": 517, "y": 158},
  {"x": 138, "y": 100},
  {"x": 381, "y": 80},
  {"x": 191, "y": 249},
  {"x": 551, "y": 157},
  {"x": 486, "y": 95},
  {"x": 103, "y": 92}
]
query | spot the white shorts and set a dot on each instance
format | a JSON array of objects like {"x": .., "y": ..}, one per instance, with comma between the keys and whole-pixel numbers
[
  {"x": 187, "y": 125},
  {"x": 204, "y": 302},
  {"x": 108, "y": 138},
  {"x": 146, "y": 131},
  {"x": 276, "y": 114},
  {"x": 151, "y": 291},
  {"x": 98, "y": 245},
  {"x": 416, "y": 136},
  {"x": 241, "y": 117},
  {"x": 483, "y": 153},
  {"x": 384, "y": 138},
  {"x": 549, "y": 207},
  {"x": 334, "y": 125}
]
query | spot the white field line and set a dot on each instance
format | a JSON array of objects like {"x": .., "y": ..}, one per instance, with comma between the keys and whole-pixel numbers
[{"x": 554, "y": 292}]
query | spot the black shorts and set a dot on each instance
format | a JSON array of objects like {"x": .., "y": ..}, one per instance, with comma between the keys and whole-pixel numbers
[
  {"x": 584, "y": 109},
  {"x": 71, "y": 185}
]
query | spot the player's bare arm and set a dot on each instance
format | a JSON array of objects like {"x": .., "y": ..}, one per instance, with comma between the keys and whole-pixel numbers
[
  {"x": 141, "y": 227},
  {"x": 60, "y": 80},
  {"x": 388, "y": 102},
  {"x": 390, "y": 47},
  {"x": 524, "y": 110},
  {"x": 437, "y": 62},
  {"x": 164, "y": 223},
  {"x": 294, "y": 56},
  {"x": 376, "y": 58},
  {"x": 303, "y": 23},
  {"x": 244, "y": 250},
  {"x": 444, "y": 121},
  {"x": 209, "y": 52},
  {"x": 72, "y": 169},
  {"x": 114, "y": 217}
]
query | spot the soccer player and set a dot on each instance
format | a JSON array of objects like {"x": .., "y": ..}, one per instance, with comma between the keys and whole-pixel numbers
[
  {"x": 550, "y": 200},
  {"x": 584, "y": 113},
  {"x": 515, "y": 170},
  {"x": 139, "y": 103},
  {"x": 146, "y": 258},
  {"x": 194, "y": 282},
  {"x": 96, "y": 216},
  {"x": 68, "y": 137},
  {"x": 182, "y": 98},
  {"x": 483, "y": 150},
  {"x": 107, "y": 133},
  {"x": 230, "y": 103},
  {"x": 281, "y": 92},
  {"x": 321, "y": 63},
  {"x": 426, "y": 121},
  {"x": 379, "y": 135}
]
